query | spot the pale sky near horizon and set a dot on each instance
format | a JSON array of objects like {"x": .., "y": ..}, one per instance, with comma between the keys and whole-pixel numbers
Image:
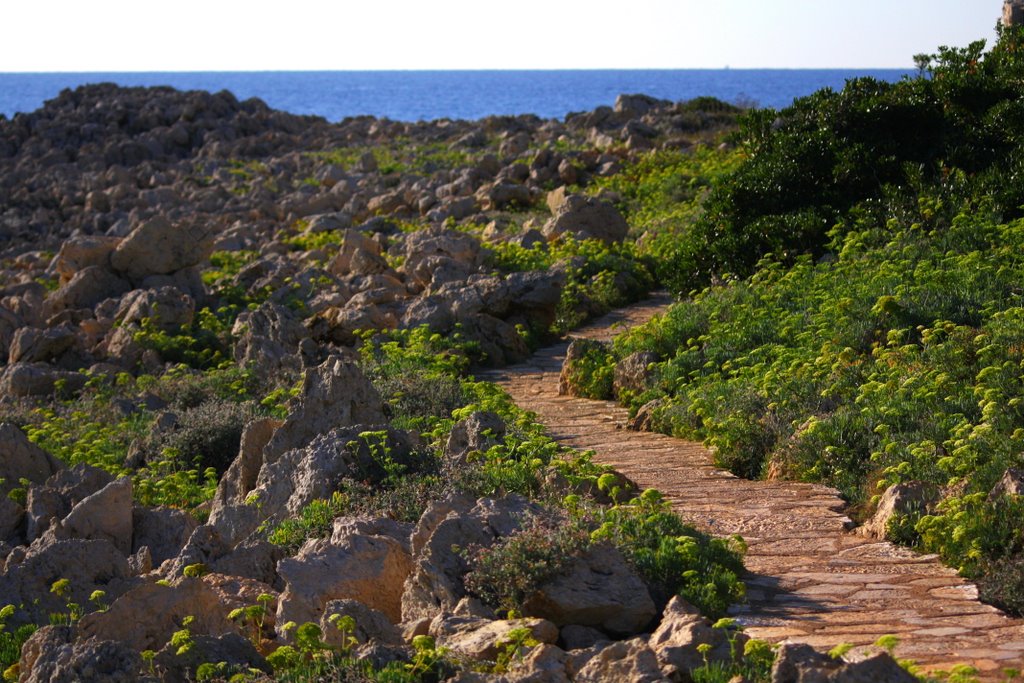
[{"x": 227, "y": 35}]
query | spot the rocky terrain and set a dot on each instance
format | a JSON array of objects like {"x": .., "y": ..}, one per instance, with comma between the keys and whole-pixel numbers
[{"x": 154, "y": 240}]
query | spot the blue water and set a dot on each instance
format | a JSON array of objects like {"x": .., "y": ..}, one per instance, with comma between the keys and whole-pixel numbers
[{"x": 424, "y": 95}]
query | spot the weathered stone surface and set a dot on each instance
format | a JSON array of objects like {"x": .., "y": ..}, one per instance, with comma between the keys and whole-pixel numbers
[
  {"x": 145, "y": 617},
  {"x": 800, "y": 663},
  {"x": 628, "y": 660},
  {"x": 22, "y": 459},
  {"x": 481, "y": 639},
  {"x": 37, "y": 379},
  {"x": 682, "y": 630},
  {"x": 371, "y": 624},
  {"x": 166, "y": 309},
  {"x": 86, "y": 289},
  {"x": 477, "y": 432},
  {"x": 632, "y": 373},
  {"x": 577, "y": 351},
  {"x": 369, "y": 569},
  {"x": 600, "y": 589},
  {"x": 51, "y": 656},
  {"x": 334, "y": 394},
  {"x": 81, "y": 252},
  {"x": 911, "y": 496},
  {"x": 1011, "y": 484},
  {"x": 88, "y": 565},
  {"x": 163, "y": 530},
  {"x": 436, "y": 583},
  {"x": 269, "y": 339},
  {"x": 32, "y": 345},
  {"x": 159, "y": 247},
  {"x": 12, "y": 520},
  {"x": 104, "y": 515},
  {"x": 587, "y": 217},
  {"x": 231, "y": 648}
]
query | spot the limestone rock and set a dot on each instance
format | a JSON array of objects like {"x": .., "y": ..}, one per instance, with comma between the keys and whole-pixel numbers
[
  {"x": 32, "y": 345},
  {"x": 37, "y": 379},
  {"x": 800, "y": 663},
  {"x": 81, "y": 252},
  {"x": 477, "y": 432},
  {"x": 601, "y": 590},
  {"x": 481, "y": 639},
  {"x": 50, "y": 656},
  {"x": 22, "y": 459},
  {"x": 632, "y": 373},
  {"x": 436, "y": 583},
  {"x": 334, "y": 394},
  {"x": 163, "y": 530},
  {"x": 587, "y": 217},
  {"x": 158, "y": 247},
  {"x": 911, "y": 496},
  {"x": 1011, "y": 484},
  {"x": 369, "y": 569},
  {"x": 86, "y": 288},
  {"x": 682, "y": 630},
  {"x": 88, "y": 565},
  {"x": 166, "y": 308},
  {"x": 627, "y": 660},
  {"x": 578, "y": 350},
  {"x": 269, "y": 339},
  {"x": 231, "y": 648},
  {"x": 371, "y": 624},
  {"x": 145, "y": 617},
  {"x": 106, "y": 515}
]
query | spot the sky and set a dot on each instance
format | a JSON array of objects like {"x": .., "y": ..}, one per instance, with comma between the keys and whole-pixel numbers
[{"x": 227, "y": 35}]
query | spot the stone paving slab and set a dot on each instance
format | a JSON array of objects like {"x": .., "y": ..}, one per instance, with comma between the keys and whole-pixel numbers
[{"x": 811, "y": 580}]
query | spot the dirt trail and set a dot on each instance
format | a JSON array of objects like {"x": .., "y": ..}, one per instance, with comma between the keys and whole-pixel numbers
[{"x": 812, "y": 580}]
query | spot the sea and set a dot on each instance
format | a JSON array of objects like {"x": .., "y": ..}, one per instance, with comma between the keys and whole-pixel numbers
[{"x": 427, "y": 95}]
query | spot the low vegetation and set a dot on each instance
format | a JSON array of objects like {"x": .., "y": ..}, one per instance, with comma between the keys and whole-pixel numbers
[{"x": 858, "y": 317}]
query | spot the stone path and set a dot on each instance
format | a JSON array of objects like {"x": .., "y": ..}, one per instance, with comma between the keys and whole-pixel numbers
[{"x": 811, "y": 579}]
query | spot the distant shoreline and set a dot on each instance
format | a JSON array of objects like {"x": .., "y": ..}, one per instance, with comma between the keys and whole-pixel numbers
[{"x": 471, "y": 95}]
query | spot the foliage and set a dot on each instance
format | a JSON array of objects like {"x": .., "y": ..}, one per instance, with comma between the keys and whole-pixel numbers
[
  {"x": 590, "y": 370},
  {"x": 673, "y": 557},
  {"x": 12, "y": 638},
  {"x": 507, "y": 573}
]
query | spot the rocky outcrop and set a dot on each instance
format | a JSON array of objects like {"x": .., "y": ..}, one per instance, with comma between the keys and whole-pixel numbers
[{"x": 599, "y": 589}]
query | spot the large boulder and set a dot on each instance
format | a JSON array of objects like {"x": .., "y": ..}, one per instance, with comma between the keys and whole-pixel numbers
[
  {"x": 86, "y": 288},
  {"x": 587, "y": 217},
  {"x": 38, "y": 379},
  {"x": 88, "y": 565},
  {"x": 482, "y": 639},
  {"x": 159, "y": 247},
  {"x": 269, "y": 339},
  {"x": 800, "y": 663},
  {"x": 627, "y": 660},
  {"x": 81, "y": 252},
  {"x": 334, "y": 394},
  {"x": 22, "y": 459},
  {"x": 1011, "y": 484},
  {"x": 51, "y": 655},
  {"x": 371, "y": 624},
  {"x": 370, "y": 569},
  {"x": 164, "y": 531},
  {"x": 166, "y": 309},
  {"x": 32, "y": 345},
  {"x": 899, "y": 499},
  {"x": 423, "y": 246},
  {"x": 599, "y": 589},
  {"x": 477, "y": 432},
  {"x": 231, "y": 650},
  {"x": 632, "y": 373},
  {"x": 147, "y": 616},
  {"x": 106, "y": 515},
  {"x": 682, "y": 631},
  {"x": 437, "y": 580}
]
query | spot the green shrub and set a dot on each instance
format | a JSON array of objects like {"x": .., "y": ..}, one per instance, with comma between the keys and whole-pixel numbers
[
  {"x": 673, "y": 557},
  {"x": 507, "y": 573}
]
